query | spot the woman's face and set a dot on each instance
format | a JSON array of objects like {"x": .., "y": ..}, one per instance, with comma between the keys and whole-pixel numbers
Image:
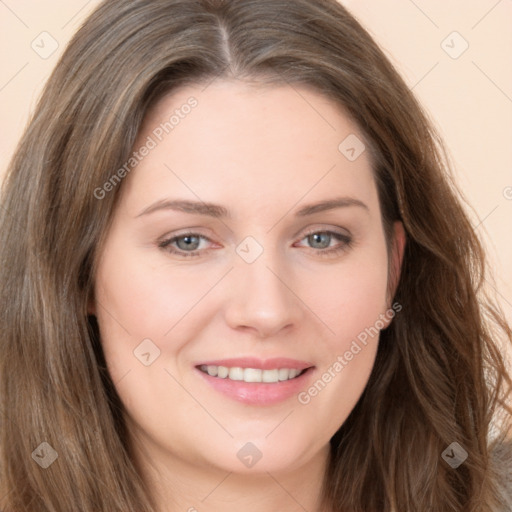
[{"x": 287, "y": 273}]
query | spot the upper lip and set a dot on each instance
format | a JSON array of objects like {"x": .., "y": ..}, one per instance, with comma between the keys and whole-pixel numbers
[{"x": 263, "y": 364}]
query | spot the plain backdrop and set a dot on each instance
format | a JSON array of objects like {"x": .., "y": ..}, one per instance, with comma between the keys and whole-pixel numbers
[{"x": 455, "y": 55}]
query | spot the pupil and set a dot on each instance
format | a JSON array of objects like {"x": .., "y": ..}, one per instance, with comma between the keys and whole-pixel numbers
[
  {"x": 317, "y": 238},
  {"x": 189, "y": 241}
]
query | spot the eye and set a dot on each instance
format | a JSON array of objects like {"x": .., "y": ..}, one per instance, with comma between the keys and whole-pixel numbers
[
  {"x": 321, "y": 240},
  {"x": 188, "y": 244}
]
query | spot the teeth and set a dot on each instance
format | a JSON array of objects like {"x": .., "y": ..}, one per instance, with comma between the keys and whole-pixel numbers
[
  {"x": 283, "y": 373},
  {"x": 251, "y": 374},
  {"x": 270, "y": 375},
  {"x": 222, "y": 372},
  {"x": 236, "y": 373}
]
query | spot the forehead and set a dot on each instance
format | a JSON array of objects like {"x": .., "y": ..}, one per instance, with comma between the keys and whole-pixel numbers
[{"x": 259, "y": 143}]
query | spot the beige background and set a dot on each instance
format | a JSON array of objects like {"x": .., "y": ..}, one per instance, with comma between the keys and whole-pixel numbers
[{"x": 468, "y": 97}]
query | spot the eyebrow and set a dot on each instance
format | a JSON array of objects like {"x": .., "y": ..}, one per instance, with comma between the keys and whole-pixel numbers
[{"x": 219, "y": 212}]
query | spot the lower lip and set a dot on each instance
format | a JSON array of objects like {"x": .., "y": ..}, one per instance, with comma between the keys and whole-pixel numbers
[{"x": 258, "y": 393}]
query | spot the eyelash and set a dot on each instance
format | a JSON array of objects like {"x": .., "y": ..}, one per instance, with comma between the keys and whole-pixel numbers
[{"x": 333, "y": 251}]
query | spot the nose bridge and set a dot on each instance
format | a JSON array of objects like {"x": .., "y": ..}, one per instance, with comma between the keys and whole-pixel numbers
[{"x": 259, "y": 297}]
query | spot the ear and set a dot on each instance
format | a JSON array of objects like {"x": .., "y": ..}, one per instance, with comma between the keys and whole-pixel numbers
[{"x": 396, "y": 259}]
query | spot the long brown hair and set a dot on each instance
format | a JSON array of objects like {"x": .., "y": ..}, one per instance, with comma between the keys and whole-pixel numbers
[{"x": 439, "y": 376}]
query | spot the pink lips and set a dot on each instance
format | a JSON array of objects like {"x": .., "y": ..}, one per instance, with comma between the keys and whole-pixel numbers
[{"x": 258, "y": 393}]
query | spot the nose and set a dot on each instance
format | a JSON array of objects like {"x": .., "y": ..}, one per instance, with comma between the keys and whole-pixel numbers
[{"x": 261, "y": 297}]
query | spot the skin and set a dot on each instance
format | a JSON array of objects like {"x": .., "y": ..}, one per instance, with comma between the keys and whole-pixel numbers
[{"x": 261, "y": 152}]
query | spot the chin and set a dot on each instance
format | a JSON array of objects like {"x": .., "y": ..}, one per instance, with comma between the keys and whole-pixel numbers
[{"x": 259, "y": 455}]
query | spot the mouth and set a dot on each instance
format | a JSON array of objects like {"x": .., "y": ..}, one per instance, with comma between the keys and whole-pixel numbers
[
  {"x": 256, "y": 382},
  {"x": 238, "y": 373}
]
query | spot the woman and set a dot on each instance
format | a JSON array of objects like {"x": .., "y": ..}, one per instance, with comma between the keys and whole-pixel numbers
[{"x": 257, "y": 370}]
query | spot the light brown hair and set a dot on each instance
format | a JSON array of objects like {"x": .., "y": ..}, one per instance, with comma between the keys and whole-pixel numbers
[{"x": 439, "y": 375}]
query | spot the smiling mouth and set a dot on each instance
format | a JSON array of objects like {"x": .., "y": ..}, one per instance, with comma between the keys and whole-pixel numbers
[{"x": 252, "y": 374}]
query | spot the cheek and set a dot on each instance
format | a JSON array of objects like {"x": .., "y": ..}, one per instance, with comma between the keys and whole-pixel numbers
[
  {"x": 348, "y": 298},
  {"x": 137, "y": 302},
  {"x": 134, "y": 305},
  {"x": 351, "y": 302},
  {"x": 147, "y": 300}
]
